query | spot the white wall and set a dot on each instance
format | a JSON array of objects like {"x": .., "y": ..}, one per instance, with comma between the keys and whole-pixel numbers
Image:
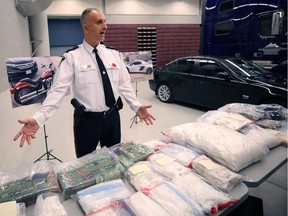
[
  {"x": 14, "y": 28},
  {"x": 14, "y": 38},
  {"x": 133, "y": 11}
]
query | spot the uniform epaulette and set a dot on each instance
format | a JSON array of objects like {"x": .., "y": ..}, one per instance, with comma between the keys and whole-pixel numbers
[
  {"x": 110, "y": 47},
  {"x": 63, "y": 57},
  {"x": 73, "y": 48}
]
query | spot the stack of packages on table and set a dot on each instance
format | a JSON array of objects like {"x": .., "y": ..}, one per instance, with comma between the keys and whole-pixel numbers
[{"x": 191, "y": 170}]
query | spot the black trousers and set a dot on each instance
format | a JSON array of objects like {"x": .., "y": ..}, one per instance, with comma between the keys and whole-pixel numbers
[{"x": 94, "y": 128}]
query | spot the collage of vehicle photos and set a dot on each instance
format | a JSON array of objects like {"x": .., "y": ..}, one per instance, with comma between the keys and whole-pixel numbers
[{"x": 30, "y": 78}]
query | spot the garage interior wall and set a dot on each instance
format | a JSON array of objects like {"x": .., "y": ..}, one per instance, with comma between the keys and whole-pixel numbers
[
  {"x": 171, "y": 18},
  {"x": 14, "y": 38},
  {"x": 176, "y": 23}
]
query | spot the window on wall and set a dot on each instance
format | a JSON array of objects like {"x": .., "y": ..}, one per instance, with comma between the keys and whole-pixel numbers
[{"x": 147, "y": 41}]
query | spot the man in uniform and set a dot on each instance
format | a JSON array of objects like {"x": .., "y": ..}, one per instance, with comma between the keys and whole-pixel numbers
[{"x": 94, "y": 120}]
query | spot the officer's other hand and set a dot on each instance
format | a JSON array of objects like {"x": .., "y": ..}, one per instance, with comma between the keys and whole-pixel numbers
[
  {"x": 28, "y": 131},
  {"x": 144, "y": 115}
]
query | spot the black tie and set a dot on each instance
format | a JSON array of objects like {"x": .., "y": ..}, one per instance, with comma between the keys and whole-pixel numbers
[{"x": 109, "y": 96}]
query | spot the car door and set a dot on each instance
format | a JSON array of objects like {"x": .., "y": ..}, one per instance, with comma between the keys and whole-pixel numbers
[
  {"x": 181, "y": 80},
  {"x": 214, "y": 85}
]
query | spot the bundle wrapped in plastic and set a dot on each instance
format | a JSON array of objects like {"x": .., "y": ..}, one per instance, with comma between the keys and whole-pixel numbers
[
  {"x": 116, "y": 208},
  {"x": 202, "y": 193},
  {"x": 88, "y": 170},
  {"x": 216, "y": 174},
  {"x": 265, "y": 115},
  {"x": 233, "y": 121},
  {"x": 260, "y": 135},
  {"x": 131, "y": 152},
  {"x": 24, "y": 184},
  {"x": 101, "y": 196},
  {"x": 167, "y": 166},
  {"x": 281, "y": 135},
  {"x": 21, "y": 209},
  {"x": 155, "y": 144},
  {"x": 142, "y": 205},
  {"x": 241, "y": 124},
  {"x": 49, "y": 204},
  {"x": 182, "y": 154},
  {"x": 174, "y": 201},
  {"x": 273, "y": 111},
  {"x": 230, "y": 148},
  {"x": 142, "y": 177},
  {"x": 250, "y": 111}
]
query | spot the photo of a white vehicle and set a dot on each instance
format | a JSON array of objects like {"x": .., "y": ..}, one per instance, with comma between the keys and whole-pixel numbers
[{"x": 139, "y": 65}]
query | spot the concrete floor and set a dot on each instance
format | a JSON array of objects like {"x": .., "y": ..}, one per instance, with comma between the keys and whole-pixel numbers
[{"x": 273, "y": 192}]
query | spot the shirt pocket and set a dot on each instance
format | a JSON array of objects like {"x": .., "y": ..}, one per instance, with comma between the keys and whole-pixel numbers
[
  {"x": 114, "y": 73},
  {"x": 87, "y": 74}
]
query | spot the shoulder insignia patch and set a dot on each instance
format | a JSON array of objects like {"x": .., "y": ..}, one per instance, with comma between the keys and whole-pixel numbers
[
  {"x": 109, "y": 47},
  {"x": 63, "y": 57},
  {"x": 73, "y": 48}
]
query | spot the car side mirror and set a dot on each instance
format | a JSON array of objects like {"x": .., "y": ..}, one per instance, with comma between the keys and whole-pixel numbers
[{"x": 223, "y": 75}]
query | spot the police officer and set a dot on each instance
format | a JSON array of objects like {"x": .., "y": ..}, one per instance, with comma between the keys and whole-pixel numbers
[{"x": 79, "y": 69}]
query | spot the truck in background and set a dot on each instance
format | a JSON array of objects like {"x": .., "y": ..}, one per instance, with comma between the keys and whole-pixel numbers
[{"x": 252, "y": 29}]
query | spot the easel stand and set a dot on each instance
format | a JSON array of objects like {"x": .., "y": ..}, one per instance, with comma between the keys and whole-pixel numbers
[
  {"x": 48, "y": 154},
  {"x": 134, "y": 119}
]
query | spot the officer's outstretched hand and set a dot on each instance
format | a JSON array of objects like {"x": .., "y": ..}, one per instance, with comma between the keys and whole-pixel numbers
[
  {"x": 144, "y": 115},
  {"x": 28, "y": 131}
]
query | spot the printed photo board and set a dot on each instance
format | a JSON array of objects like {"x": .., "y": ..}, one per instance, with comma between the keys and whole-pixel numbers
[
  {"x": 139, "y": 65},
  {"x": 30, "y": 78}
]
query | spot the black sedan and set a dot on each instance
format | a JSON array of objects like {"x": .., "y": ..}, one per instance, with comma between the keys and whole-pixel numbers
[
  {"x": 213, "y": 82},
  {"x": 19, "y": 68}
]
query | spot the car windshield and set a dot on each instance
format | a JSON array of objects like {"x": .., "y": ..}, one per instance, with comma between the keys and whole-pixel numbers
[{"x": 246, "y": 68}]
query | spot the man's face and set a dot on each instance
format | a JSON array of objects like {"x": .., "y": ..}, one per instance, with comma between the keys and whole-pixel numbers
[{"x": 95, "y": 27}]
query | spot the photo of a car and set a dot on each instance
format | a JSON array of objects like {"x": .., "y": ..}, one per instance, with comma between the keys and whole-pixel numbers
[
  {"x": 212, "y": 82},
  {"x": 140, "y": 66},
  {"x": 18, "y": 68}
]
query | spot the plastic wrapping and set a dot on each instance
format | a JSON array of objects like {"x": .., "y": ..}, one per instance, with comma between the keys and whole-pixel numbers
[
  {"x": 142, "y": 177},
  {"x": 97, "y": 197},
  {"x": 202, "y": 193},
  {"x": 241, "y": 124},
  {"x": 282, "y": 136},
  {"x": 116, "y": 208},
  {"x": 260, "y": 135},
  {"x": 167, "y": 166},
  {"x": 182, "y": 154},
  {"x": 142, "y": 205},
  {"x": 24, "y": 184},
  {"x": 155, "y": 144},
  {"x": 274, "y": 111},
  {"x": 217, "y": 175},
  {"x": 174, "y": 201},
  {"x": 21, "y": 209},
  {"x": 131, "y": 152},
  {"x": 230, "y": 148},
  {"x": 233, "y": 121},
  {"x": 265, "y": 115},
  {"x": 268, "y": 123},
  {"x": 250, "y": 111},
  {"x": 48, "y": 204},
  {"x": 88, "y": 170}
]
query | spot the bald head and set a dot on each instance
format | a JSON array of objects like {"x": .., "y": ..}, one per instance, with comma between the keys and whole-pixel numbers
[
  {"x": 85, "y": 14},
  {"x": 94, "y": 26}
]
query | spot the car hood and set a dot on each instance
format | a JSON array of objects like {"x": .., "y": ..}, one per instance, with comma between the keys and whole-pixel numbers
[
  {"x": 19, "y": 60},
  {"x": 271, "y": 79}
]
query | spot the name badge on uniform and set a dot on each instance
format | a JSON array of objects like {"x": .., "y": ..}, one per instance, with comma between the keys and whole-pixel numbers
[{"x": 85, "y": 67}]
